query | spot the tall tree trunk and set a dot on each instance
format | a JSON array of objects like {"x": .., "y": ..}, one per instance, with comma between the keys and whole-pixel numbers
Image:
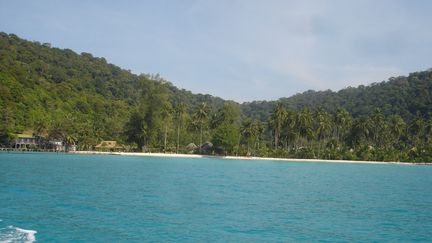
[
  {"x": 271, "y": 139},
  {"x": 178, "y": 137},
  {"x": 201, "y": 132},
  {"x": 238, "y": 148},
  {"x": 248, "y": 151},
  {"x": 257, "y": 145},
  {"x": 165, "y": 137}
]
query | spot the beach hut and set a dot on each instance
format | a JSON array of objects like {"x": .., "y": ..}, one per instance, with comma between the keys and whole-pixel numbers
[
  {"x": 25, "y": 141},
  {"x": 207, "y": 148},
  {"x": 109, "y": 146},
  {"x": 191, "y": 148}
]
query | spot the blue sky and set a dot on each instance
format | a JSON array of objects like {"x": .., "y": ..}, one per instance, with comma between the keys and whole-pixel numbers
[{"x": 241, "y": 50}]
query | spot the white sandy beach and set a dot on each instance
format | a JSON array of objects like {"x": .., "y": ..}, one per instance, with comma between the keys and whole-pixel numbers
[{"x": 239, "y": 157}]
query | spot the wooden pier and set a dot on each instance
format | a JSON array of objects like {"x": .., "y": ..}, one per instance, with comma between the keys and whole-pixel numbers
[{"x": 15, "y": 150}]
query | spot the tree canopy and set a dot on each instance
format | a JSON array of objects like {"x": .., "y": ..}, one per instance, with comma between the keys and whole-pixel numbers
[{"x": 81, "y": 99}]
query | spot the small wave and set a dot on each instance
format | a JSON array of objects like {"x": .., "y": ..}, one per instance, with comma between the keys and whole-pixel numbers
[{"x": 12, "y": 234}]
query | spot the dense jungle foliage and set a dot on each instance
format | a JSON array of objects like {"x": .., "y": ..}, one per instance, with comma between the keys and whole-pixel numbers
[
  {"x": 405, "y": 96},
  {"x": 81, "y": 99}
]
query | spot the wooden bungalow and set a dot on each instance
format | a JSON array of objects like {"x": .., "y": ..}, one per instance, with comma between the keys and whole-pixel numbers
[{"x": 25, "y": 141}]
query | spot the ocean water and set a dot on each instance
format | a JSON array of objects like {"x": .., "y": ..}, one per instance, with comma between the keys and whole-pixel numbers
[{"x": 48, "y": 197}]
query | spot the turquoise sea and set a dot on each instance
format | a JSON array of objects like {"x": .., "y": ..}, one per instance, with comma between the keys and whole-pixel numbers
[{"x": 51, "y": 197}]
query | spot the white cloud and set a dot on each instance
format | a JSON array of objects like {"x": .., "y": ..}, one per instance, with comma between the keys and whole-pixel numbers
[{"x": 241, "y": 49}]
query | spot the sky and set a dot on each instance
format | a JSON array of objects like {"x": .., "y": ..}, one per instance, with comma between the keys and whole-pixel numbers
[{"x": 242, "y": 50}]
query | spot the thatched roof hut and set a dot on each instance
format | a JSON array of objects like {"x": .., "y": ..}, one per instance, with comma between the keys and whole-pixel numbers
[
  {"x": 109, "y": 145},
  {"x": 191, "y": 147},
  {"x": 207, "y": 148}
]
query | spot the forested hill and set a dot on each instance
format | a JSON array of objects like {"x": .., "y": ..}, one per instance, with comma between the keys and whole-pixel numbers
[
  {"x": 43, "y": 87},
  {"x": 37, "y": 80},
  {"x": 82, "y": 100},
  {"x": 406, "y": 96}
]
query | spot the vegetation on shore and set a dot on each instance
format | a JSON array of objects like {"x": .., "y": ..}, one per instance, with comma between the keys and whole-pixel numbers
[{"x": 82, "y": 99}]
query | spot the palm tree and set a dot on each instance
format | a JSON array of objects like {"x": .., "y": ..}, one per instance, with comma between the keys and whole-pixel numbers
[
  {"x": 289, "y": 129},
  {"x": 278, "y": 118},
  {"x": 343, "y": 122},
  {"x": 166, "y": 116},
  {"x": 180, "y": 111},
  {"x": 378, "y": 127},
  {"x": 69, "y": 140},
  {"x": 323, "y": 127},
  {"x": 418, "y": 128},
  {"x": 304, "y": 124},
  {"x": 361, "y": 129},
  {"x": 251, "y": 131},
  {"x": 201, "y": 115},
  {"x": 397, "y": 128},
  {"x": 323, "y": 122},
  {"x": 257, "y": 131},
  {"x": 246, "y": 132}
]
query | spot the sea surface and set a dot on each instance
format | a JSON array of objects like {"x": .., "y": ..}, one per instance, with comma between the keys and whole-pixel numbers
[{"x": 48, "y": 197}]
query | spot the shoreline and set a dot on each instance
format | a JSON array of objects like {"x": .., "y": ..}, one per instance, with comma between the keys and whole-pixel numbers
[{"x": 197, "y": 156}]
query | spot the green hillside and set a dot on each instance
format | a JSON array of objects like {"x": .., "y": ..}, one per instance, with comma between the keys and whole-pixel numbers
[
  {"x": 58, "y": 94},
  {"x": 405, "y": 96},
  {"x": 48, "y": 89}
]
